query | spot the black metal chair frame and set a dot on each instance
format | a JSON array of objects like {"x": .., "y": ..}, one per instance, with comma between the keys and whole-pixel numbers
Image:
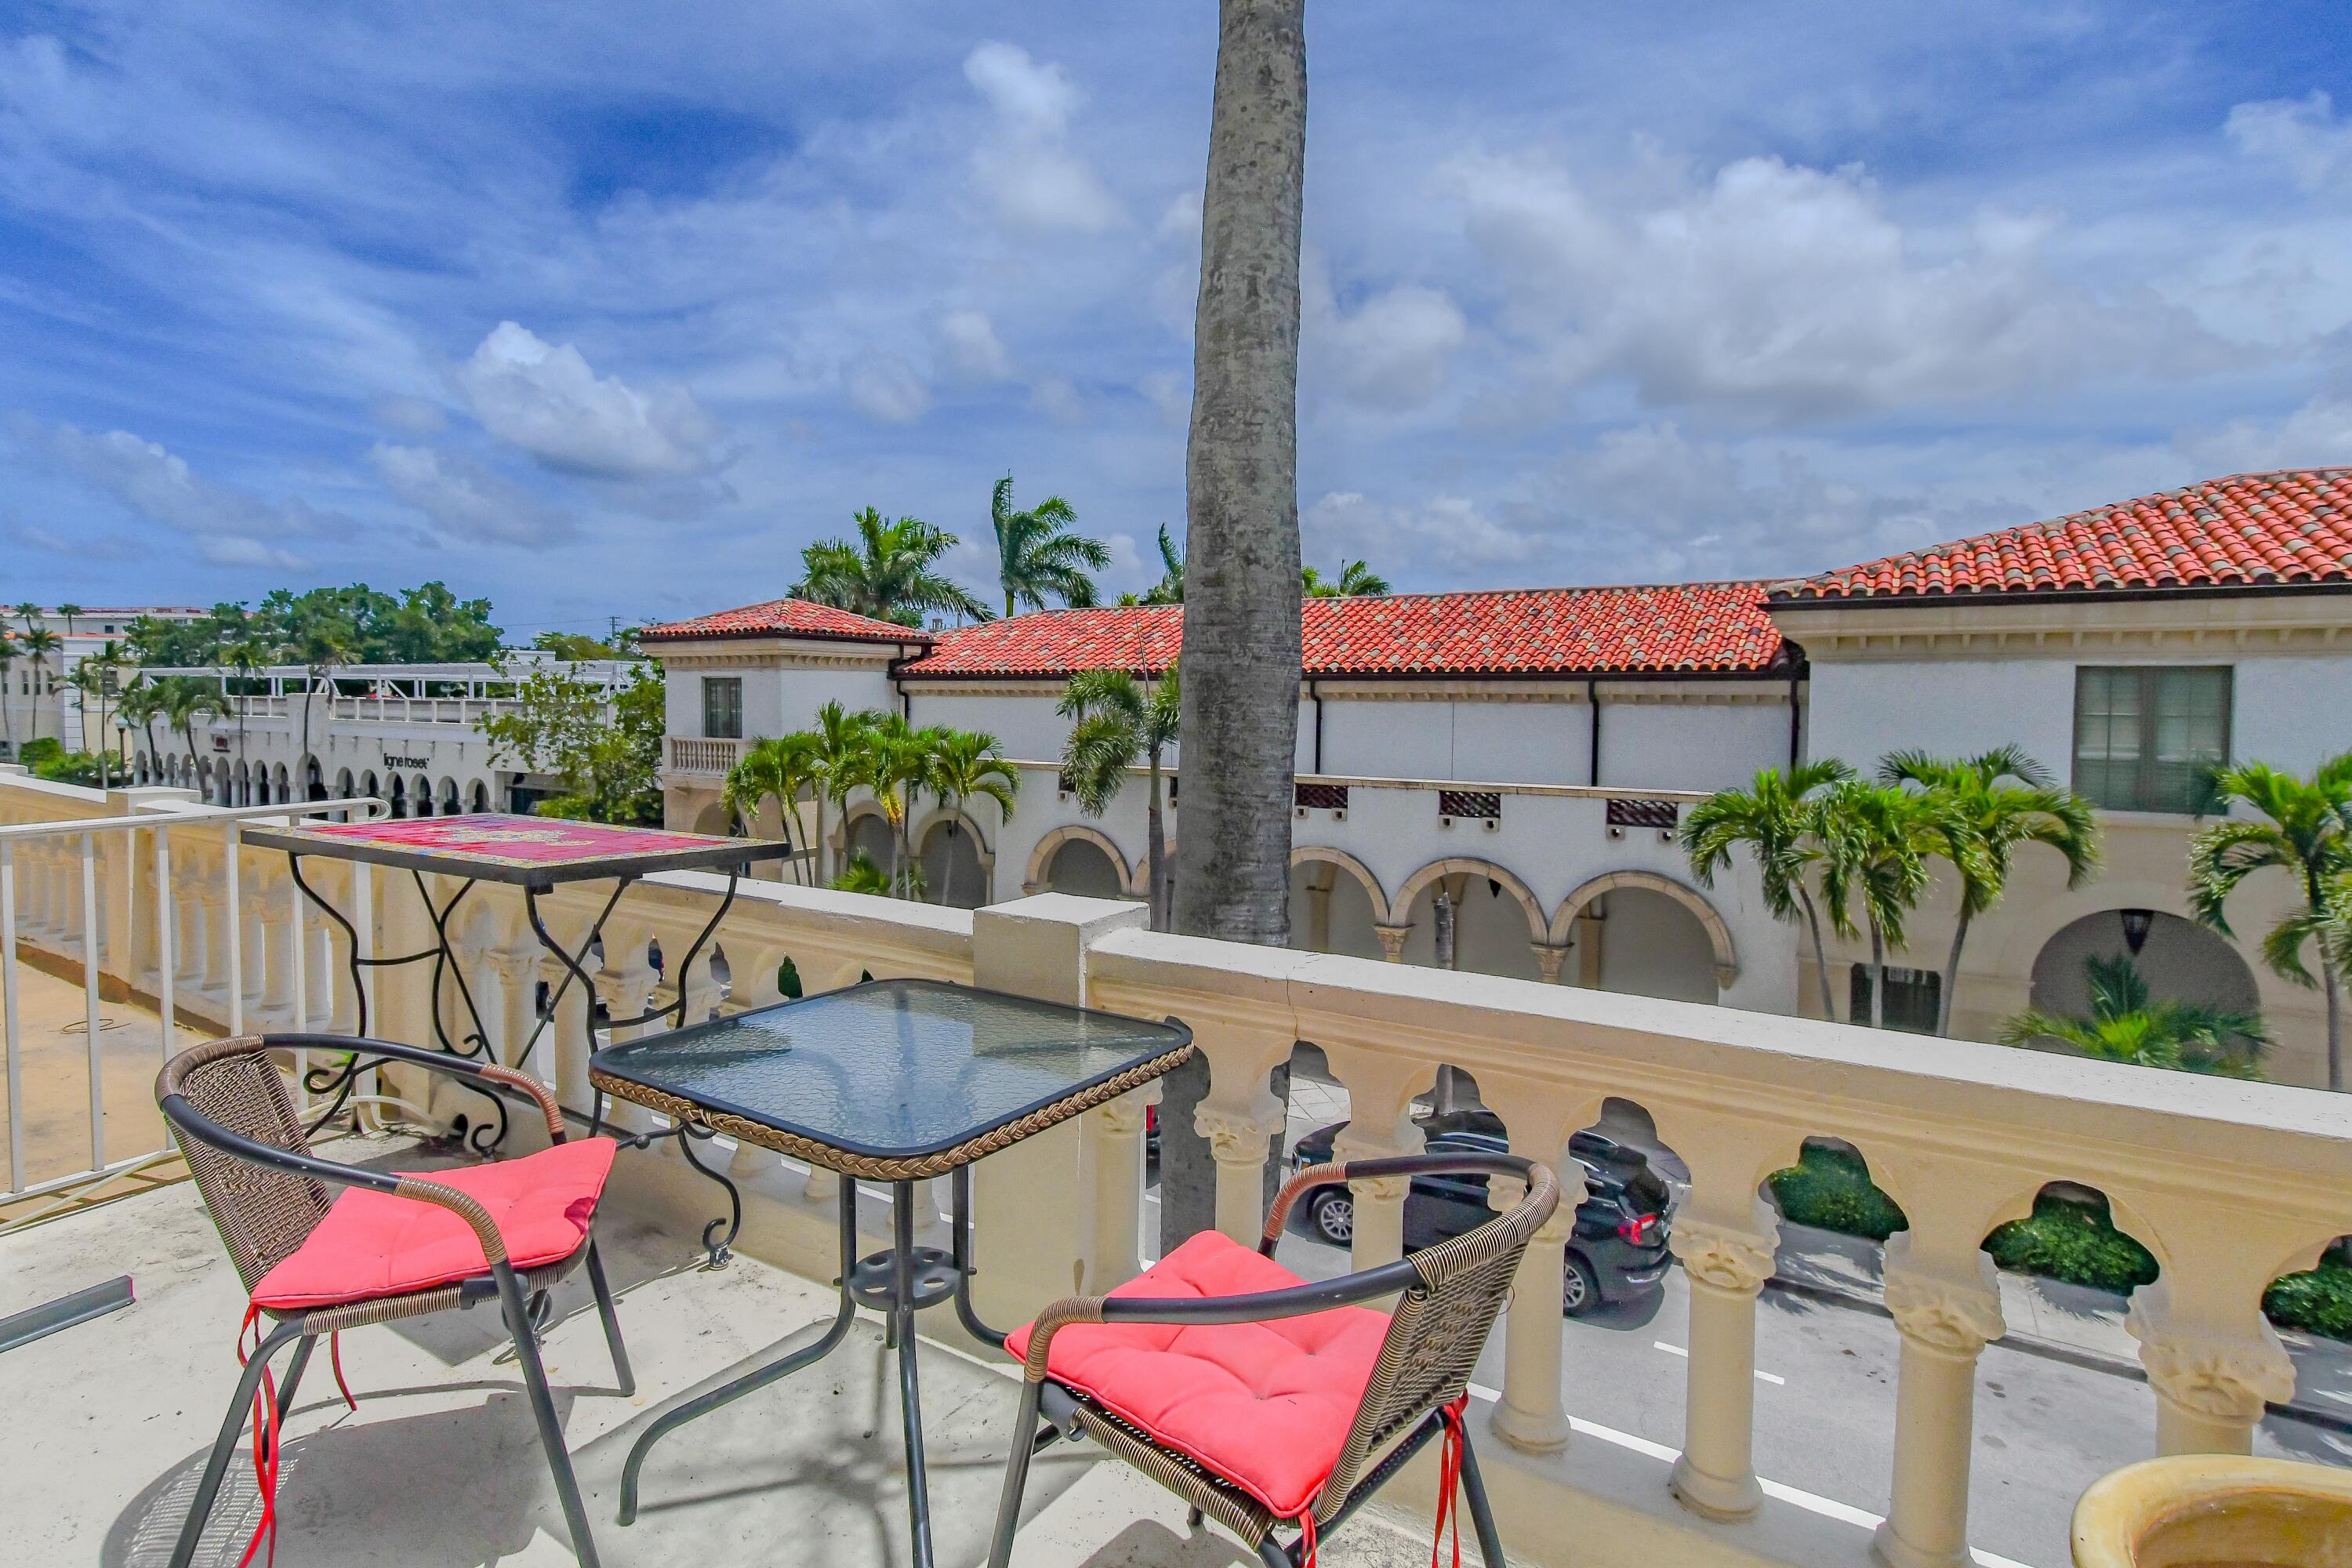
[
  {"x": 1420, "y": 1414},
  {"x": 522, "y": 1297}
]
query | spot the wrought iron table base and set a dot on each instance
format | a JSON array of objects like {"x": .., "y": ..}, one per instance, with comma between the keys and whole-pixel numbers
[{"x": 896, "y": 1283}]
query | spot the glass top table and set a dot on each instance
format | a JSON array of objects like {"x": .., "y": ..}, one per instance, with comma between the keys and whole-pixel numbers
[{"x": 894, "y": 1081}]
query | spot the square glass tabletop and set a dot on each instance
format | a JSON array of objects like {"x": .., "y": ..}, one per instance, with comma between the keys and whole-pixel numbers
[
  {"x": 894, "y": 1068},
  {"x": 537, "y": 851}
]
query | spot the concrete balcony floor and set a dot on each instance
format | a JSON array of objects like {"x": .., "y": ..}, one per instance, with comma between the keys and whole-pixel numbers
[{"x": 109, "y": 1422}]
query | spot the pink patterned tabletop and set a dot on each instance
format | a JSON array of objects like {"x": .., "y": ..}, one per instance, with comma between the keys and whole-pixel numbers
[{"x": 489, "y": 843}]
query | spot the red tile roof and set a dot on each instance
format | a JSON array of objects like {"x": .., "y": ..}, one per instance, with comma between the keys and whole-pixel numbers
[
  {"x": 1717, "y": 628},
  {"x": 2267, "y": 530},
  {"x": 786, "y": 617}
]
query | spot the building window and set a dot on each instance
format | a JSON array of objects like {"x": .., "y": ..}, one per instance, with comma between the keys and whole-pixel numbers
[
  {"x": 2147, "y": 737},
  {"x": 722, "y": 707},
  {"x": 1912, "y": 997}
]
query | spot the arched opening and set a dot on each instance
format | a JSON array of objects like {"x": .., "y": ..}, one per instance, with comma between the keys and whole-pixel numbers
[
  {"x": 1079, "y": 865},
  {"x": 368, "y": 785},
  {"x": 2074, "y": 1235},
  {"x": 314, "y": 781},
  {"x": 420, "y": 795},
  {"x": 2181, "y": 961},
  {"x": 345, "y": 786},
  {"x": 450, "y": 804},
  {"x": 1332, "y": 907},
  {"x": 241, "y": 786},
  {"x": 396, "y": 795},
  {"x": 282, "y": 792},
  {"x": 1472, "y": 917},
  {"x": 951, "y": 868},
  {"x": 481, "y": 798},
  {"x": 714, "y": 819},
  {"x": 1651, "y": 945}
]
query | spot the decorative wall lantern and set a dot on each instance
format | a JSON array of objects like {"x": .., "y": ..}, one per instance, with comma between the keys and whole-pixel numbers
[{"x": 2136, "y": 925}]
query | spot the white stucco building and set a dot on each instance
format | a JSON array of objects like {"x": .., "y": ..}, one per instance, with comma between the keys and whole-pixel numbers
[
  {"x": 408, "y": 733},
  {"x": 40, "y": 699},
  {"x": 1521, "y": 757}
]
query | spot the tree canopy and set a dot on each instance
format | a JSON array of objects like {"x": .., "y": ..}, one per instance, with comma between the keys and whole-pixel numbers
[{"x": 424, "y": 625}]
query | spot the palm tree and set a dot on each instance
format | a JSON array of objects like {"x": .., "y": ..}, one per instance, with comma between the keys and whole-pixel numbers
[
  {"x": 2304, "y": 832},
  {"x": 1355, "y": 578},
  {"x": 245, "y": 656},
  {"x": 1117, "y": 723},
  {"x": 142, "y": 704},
  {"x": 968, "y": 764},
  {"x": 182, "y": 700},
  {"x": 1038, "y": 552},
  {"x": 94, "y": 677},
  {"x": 7, "y": 661},
  {"x": 324, "y": 643},
  {"x": 2126, "y": 1025},
  {"x": 1170, "y": 589},
  {"x": 890, "y": 572},
  {"x": 40, "y": 644},
  {"x": 779, "y": 768},
  {"x": 897, "y": 762},
  {"x": 1777, "y": 816},
  {"x": 1241, "y": 477},
  {"x": 1876, "y": 840},
  {"x": 1998, "y": 799},
  {"x": 835, "y": 762},
  {"x": 69, "y": 611}
]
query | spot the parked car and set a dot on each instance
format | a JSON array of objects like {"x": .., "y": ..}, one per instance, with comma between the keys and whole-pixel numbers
[{"x": 1617, "y": 1249}]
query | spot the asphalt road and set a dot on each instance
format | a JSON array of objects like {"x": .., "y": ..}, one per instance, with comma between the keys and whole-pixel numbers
[{"x": 1825, "y": 1409}]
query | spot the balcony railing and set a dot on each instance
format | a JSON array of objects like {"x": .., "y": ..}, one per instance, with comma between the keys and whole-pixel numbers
[
  {"x": 700, "y": 756},
  {"x": 1627, "y": 811},
  {"x": 2228, "y": 1185}
]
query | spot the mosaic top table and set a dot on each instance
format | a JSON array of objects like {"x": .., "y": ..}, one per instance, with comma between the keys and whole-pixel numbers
[
  {"x": 896, "y": 1081},
  {"x": 537, "y": 854}
]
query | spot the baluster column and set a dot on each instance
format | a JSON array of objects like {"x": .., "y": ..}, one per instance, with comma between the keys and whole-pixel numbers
[
  {"x": 1533, "y": 1415},
  {"x": 1381, "y": 1086},
  {"x": 1945, "y": 1318},
  {"x": 1726, "y": 1267},
  {"x": 1114, "y": 1155},
  {"x": 2211, "y": 1384}
]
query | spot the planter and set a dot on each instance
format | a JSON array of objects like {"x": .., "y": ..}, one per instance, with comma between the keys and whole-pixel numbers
[{"x": 2216, "y": 1510}]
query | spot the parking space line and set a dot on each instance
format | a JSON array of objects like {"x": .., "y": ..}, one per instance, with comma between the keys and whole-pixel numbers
[{"x": 1774, "y": 1378}]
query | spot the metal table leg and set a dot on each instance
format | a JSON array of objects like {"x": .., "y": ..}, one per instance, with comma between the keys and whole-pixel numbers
[
  {"x": 760, "y": 1378},
  {"x": 910, "y": 1399}
]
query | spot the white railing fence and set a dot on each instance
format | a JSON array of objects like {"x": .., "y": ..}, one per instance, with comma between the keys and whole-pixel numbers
[
  {"x": 155, "y": 895},
  {"x": 2228, "y": 1185}
]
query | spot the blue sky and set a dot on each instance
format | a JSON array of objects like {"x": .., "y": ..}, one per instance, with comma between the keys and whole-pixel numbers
[{"x": 608, "y": 310}]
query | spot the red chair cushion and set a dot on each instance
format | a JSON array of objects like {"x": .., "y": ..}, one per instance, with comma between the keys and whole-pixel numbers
[
  {"x": 1265, "y": 1406},
  {"x": 373, "y": 1244}
]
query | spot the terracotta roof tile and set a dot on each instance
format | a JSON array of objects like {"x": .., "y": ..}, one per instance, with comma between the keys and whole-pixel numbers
[
  {"x": 786, "y": 617},
  {"x": 1717, "y": 628},
  {"x": 2289, "y": 527}
]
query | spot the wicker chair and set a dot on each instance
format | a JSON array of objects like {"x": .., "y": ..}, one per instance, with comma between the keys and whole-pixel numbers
[
  {"x": 1447, "y": 1300},
  {"x": 270, "y": 1195}
]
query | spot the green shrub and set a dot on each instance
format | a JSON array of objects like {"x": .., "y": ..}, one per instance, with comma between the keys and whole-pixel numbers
[
  {"x": 2317, "y": 1301},
  {"x": 35, "y": 754},
  {"x": 2069, "y": 1239},
  {"x": 47, "y": 758},
  {"x": 1830, "y": 1188}
]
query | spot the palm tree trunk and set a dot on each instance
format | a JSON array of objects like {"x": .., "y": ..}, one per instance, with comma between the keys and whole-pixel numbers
[
  {"x": 815, "y": 871},
  {"x": 2335, "y": 1026},
  {"x": 1155, "y": 839},
  {"x": 1952, "y": 972},
  {"x": 1821, "y": 954},
  {"x": 1242, "y": 596},
  {"x": 946, "y": 878},
  {"x": 1877, "y": 976}
]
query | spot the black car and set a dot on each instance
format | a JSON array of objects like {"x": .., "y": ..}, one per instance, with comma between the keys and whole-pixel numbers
[{"x": 1619, "y": 1246}]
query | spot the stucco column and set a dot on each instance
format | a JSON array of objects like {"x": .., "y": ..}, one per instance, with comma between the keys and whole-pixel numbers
[
  {"x": 273, "y": 996},
  {"x": 512, "y": 1013},
  {"x": 1392, "y": 941},
  {"x": 625, "y": 993},
  {"x": 214, "y": 900},
  {"x": 1114, "y": 1155},
  {"x": 1237, "y": 1142},
  {"x": 567, "y": 1045},
  {"x": 1715, "y": 1475},
  {"x": 1533, "y": 1416},
  {"x": 1381, "y": 1087},
  {"x": 2210, "y": 1387},
  {"x": 1945, "y": 1323},
  {"x": 1549, "y": 959}
]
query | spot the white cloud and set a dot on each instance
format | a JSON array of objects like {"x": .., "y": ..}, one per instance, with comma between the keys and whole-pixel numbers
[
  {"x": 1033, "y": 96},
  {"x": 232, "y": 526},
  {"x": 2317, "y": 434},
  {"x": 1057, "y": 397},
  {"x": 545, "y": 399},
  {"x": 1026, "y": 165},
  {"x": 464, "y": 500},
  {"x": 2302, "y": 135},
  {"x": 884, "y": 386},
  {"x": 970, "y": 349},
  {"x": 1448, "y": 531},
  {"x": 415, "y": 416},
  {"x": 1396, "y": 353},
  {"x": 1793, "y": 293},
  {"x": 250, "y": 553}
]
